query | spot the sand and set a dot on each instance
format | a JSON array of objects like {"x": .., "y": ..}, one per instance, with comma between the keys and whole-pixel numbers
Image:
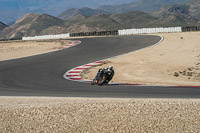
[
  {"x": 18, "y": 49},
  {"x": 73, "y": 115},
  {"x": 175, "y": 61}
]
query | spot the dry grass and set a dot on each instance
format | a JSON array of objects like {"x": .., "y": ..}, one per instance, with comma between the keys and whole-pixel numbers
[{"x": 98, "y": 115}]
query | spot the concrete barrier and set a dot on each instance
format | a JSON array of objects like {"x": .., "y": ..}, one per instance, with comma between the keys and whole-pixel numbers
[
  {"x": 149, "y": 30},
  {"x": 58, "y": 36},
  {"x": 101, "y": 33}
]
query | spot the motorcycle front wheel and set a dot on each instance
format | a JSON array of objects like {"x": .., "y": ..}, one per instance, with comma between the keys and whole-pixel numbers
[{"x": 102, "y": 80}]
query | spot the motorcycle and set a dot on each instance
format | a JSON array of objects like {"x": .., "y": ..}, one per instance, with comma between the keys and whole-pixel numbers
[{"x": 103, "y": 77}]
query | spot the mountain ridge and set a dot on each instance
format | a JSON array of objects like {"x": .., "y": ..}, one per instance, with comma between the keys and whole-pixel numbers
[
  {"x": 2, "y": 26},
  {"x": 97, "y": 20},
  {"x": 30, "y": 25},
  {"x": 140, "y": 5},
  {"x": 137, "y": 5},
  {"x": 191, "y": 8},
  {"x": 11, "y": 10},
  {"x": 35, "y": 24},
  {"x": 68, "y": 14}
]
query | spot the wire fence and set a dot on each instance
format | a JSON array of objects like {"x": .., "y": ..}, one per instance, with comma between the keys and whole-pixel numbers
[
  {"x": 94, "y": 33},
  {"x": 190, "y": 28},
  {"x": 11, "y": 39}
]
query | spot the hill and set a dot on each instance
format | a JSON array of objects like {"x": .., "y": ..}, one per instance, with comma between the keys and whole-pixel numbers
[
  {"x": 194, "y": 8},
  {"x": 96, "y": 23},
  {"x": 11, "y": 10},
  {"x": 134, "y": 19},
  {"x": 141, "y": 5},
  {"x": 175, "y": 9},
  {"x": 68, "y": 14},
  {"x": 2, "y": 26},
  {"x": 171, "y": 20},
  {"x": 30, "y": 25},
  {"x": 34, "y": 24},
  {"x": 191, "y": 8}
]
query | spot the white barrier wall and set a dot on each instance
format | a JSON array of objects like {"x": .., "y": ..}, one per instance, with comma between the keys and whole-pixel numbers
[
  {"x": 149, "y": 30},
  {"x": 47, "y": 37},
  {"x": 120, "y": 32}
]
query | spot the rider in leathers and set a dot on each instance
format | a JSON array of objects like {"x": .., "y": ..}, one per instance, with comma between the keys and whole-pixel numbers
[{"x": 110, "y": 72}]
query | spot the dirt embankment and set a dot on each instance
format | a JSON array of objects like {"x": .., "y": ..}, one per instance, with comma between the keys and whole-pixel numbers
[
  {"x": 22, "y": 114},
  {"x": 175, "y": 61},
  {"x": 19, "y": 49}
]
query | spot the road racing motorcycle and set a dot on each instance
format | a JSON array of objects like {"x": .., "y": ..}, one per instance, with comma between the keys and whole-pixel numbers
[{"x": 103, "y": 76}]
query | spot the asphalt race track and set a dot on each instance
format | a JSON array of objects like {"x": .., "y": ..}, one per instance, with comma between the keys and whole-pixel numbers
[{"x": 42, "y": 75}]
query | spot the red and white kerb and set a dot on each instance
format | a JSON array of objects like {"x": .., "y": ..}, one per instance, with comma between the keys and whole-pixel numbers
[
  {"x": 76, "y": 42},
  {"x": 74, "y": 74}
]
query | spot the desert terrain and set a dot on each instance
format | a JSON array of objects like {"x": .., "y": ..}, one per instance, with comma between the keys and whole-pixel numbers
[
  {"x": 18, "y": 49},
  {"x": 53, "y": 114},
  {"x": 173, "y": 62}
]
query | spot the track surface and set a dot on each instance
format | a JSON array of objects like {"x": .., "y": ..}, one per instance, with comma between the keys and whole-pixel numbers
[{"x": 42, "y": 75}]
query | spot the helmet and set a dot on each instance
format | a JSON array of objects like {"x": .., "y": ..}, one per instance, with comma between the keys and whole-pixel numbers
[{"x": 110, "y": 67}]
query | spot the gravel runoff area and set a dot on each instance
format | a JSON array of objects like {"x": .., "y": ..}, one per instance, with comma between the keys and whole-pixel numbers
[{"x": 40, "y": 115}]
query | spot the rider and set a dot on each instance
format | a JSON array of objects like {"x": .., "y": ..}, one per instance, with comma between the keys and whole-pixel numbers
[{"x": 110, "y": 71}]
